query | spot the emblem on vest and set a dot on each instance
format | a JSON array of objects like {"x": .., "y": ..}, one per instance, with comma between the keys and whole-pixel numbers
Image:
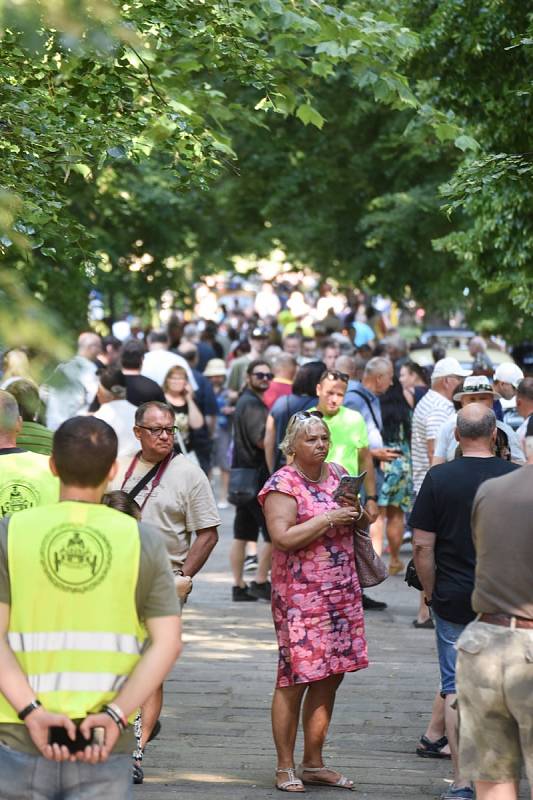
[
  {"x": 17, "y": 496},
  {"x": 75, "y": 559}
]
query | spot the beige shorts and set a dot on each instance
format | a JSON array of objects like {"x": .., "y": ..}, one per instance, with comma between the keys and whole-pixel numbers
[{"x": 495, "y": 696}]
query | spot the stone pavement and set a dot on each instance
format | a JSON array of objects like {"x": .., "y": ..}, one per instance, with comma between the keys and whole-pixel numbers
[{"x": 216, "y": 739}]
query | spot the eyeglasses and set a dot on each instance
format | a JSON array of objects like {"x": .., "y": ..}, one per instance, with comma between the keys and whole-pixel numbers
[
  {"x": 308, "y": 415},
  {"x": 335, "y": 375},
  {"x": 158, "y": 432},
  {"x": 263, "y": 376}
]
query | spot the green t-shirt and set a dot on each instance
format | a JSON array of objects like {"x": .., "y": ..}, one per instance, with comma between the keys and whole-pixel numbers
[
  {"x": 36, "y": 438},
  {"x": 155, "y": 596},
  {"x": 348, "y": 434}
]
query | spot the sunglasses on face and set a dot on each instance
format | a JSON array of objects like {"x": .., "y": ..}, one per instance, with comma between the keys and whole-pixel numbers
[
  {"x": 263, "y": 376},
  {"x": 157, "y": 432},
  {"x": 335, "y": 375}
]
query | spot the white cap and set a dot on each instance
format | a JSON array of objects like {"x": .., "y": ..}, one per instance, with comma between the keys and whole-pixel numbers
[
  {"x": 508, "y": 373},
  {"x": 449, "y": 366}
]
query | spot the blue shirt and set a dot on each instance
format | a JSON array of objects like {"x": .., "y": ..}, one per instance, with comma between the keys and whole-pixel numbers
[{"x": 372, "y": 418}]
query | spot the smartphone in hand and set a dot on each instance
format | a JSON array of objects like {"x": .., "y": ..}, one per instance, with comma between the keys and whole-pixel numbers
[
  {"x": 349, "y": 485},
  {"x": 59, "y": 735}
]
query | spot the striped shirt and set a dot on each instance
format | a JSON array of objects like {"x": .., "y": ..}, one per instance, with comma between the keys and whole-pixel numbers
[{"x": 430, "y": 414}]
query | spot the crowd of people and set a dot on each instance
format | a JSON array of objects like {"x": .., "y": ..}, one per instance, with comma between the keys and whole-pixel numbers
[{"x": 151, "y": 438}]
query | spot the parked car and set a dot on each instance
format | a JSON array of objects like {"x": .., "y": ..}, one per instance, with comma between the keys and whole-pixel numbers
[{"x": 455, "y": 341}]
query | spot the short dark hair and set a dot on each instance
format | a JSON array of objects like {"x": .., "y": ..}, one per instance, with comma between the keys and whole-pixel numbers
[
  {"x": 132, "y": 354},
  {"x": 141, "y": 411},
  {"x": 307, "y": 378},
  {"x": 121, "y": 501},
  {"x": 158, "y": 337},
  {"x": 525, "y": 389},
  {"x": 481, "y": 428},
  {"x": 258, "y": 362},
  {"x": 84, "y": 450}
]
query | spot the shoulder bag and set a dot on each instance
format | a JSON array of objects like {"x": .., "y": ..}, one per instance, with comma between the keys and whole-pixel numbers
[
  {"x": 371, "y": 569},
  {"x": 243, "y": 485}
]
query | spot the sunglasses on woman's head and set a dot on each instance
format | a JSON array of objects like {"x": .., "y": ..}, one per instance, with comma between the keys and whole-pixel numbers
[{"x": 308, "y": 414}]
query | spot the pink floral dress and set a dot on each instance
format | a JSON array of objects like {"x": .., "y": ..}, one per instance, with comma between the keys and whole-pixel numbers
[{"x": 316, "y": 597}]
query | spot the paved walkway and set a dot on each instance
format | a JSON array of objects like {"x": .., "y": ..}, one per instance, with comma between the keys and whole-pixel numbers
[{"x": 216, "y": 740}]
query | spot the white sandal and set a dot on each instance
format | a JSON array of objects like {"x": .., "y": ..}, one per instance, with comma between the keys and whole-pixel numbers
[
  {"x": 291, "y": 781},
  {"x": 342, "y": 783}
]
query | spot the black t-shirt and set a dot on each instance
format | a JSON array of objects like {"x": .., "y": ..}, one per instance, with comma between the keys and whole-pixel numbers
[
  {"x": 444, "y": 507},
  {"x": 249, "y": 422},
  {"x": 140, "y": 389}
]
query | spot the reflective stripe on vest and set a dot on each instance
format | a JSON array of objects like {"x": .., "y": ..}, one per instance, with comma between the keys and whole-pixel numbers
[
  {"x": 74, "y": 640},
  {"x": 76, "y": 682},
  {"x": 73, "y": 624}
]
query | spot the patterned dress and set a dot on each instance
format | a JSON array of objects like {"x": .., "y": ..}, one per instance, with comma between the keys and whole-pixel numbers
[{"x": 316, "y": 597}]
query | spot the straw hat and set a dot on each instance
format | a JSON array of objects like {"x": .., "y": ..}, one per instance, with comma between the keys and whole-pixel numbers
[{"x": 214, "y": 368}]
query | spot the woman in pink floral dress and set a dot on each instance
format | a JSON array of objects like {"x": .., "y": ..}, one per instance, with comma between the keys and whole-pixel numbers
[{"x": 316, "y": 599}]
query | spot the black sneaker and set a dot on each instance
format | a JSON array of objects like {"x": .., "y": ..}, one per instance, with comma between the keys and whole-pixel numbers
[
  {"x": 373, "y": 605},
  {"x": 241, "y": 594},
  {"x": 261, "y": 591},
  {"x": 250, "y": 563}
]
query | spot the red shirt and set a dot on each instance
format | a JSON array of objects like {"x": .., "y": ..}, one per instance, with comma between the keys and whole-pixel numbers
[{"x": 278, "y": 388}]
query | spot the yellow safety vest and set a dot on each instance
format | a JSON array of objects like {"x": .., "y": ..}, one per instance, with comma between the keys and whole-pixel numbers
[
  {"x": 73, "y": 627},
  {"x": 25, "y": 482}
]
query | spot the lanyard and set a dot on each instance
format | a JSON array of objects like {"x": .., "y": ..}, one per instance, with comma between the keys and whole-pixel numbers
[{"x": 156, "y": 479}]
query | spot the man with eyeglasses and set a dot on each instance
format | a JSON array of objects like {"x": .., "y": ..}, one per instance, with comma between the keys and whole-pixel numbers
[
  {"x": 176, "y": 498},
  {"x": 249, "y": 423}
]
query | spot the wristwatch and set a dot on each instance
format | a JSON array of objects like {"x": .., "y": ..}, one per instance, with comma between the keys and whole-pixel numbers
[{"x": 373, "y": 497}]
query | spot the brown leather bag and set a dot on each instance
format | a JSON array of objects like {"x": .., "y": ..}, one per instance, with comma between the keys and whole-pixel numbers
[{"x": 370, "y": 567}]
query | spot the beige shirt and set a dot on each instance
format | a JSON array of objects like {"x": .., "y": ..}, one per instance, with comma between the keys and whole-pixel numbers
[
  {"x": 183, "y": 502},
  {"x": 503, "y": 538}
]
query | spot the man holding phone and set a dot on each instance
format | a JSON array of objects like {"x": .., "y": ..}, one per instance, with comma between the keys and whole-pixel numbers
[{"x": 73, "y": 666}]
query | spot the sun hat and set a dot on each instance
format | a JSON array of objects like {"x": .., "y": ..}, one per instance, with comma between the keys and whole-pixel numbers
[
  {"x": 449, "y": 366},
  {"x": 507, "y": 372},
  {"x": 476, "y": 384},
  {"x": 214, "y": 368}
]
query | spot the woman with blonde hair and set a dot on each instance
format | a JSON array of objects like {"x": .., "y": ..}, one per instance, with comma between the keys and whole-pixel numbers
[
  {"x": 179, "y": 394},
  {"x": 316, "y": 598}
]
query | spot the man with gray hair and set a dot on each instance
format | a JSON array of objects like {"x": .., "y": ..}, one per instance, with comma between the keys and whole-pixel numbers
[
  {"x": 25, "y": 478},
  {"x": 444, "y": 552},
  {"x": 73, "y": 385}
]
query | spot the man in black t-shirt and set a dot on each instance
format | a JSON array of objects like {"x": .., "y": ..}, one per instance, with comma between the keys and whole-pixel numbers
[
  {"x": 444, "y": 552},
  {"x": 249, "y": 423},
  {"x": 139, "y": 388}
]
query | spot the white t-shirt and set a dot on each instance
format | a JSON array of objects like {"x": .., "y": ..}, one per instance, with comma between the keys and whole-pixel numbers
[
  {"x": 430, "y": 414},
  {"x": 157, "y": 363},
  {"x": 447, "y": 443},
  {"x": 121, "y": 416},
  {"x": 182, "y": 502}
]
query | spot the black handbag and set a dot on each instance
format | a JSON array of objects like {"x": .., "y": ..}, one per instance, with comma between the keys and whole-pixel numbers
[
  {"x": 411, "y": 577},
  {"x": 243, "y": 485}
]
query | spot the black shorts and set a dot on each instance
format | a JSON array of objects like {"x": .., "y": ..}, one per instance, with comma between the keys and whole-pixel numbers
[{"x": 248, "y": 521}]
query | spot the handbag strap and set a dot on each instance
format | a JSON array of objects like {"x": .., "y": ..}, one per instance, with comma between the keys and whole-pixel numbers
[{"x": 369, "y": 404}]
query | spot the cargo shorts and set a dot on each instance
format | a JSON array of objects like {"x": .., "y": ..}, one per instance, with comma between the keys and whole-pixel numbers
[{"x": 494, "y": 678}]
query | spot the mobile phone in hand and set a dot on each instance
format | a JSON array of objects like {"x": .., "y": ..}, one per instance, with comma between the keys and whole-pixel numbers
[
  {"x": 349, "y": 485},
  {"x": 59, "y": 735}
]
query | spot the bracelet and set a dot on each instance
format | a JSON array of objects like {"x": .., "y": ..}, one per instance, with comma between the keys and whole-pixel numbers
[
  {"x": 28, "y": 709},
  {"x": 328, "y": 519},
  {"x": 373, "y": 497},
  {"x": 117, "y": 715}
]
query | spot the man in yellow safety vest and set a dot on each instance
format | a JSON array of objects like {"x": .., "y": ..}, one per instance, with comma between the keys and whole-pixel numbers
[
  {"x": 25, "y": 478},
  {"x": 80, "y": 587}
]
